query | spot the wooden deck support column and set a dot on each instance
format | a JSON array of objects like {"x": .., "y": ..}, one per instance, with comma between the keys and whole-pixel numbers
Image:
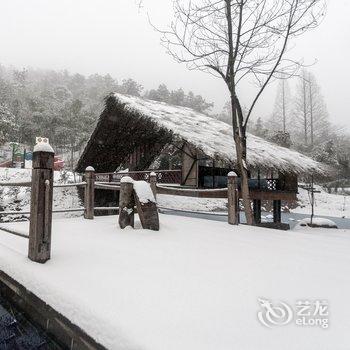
[
  {"x": 41, "y": 204},
  {"x": 126, "y": 203},
  {"x": 153, "y": 183},
  {"x": 89, "y": 194},
  {"x": 232, "y": 197},
  {"x": 257, "y": 211},
  {"x": 277, "y": 211}
]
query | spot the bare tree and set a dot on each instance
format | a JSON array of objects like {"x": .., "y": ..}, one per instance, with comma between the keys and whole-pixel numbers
[
  {"x": 301, "y": 110},
  {"x": 310, "y": 112},
  {"x": 240, "y": 40},
  {"x": 319, "y": 124},
  {"x": 281, "y": 113}
]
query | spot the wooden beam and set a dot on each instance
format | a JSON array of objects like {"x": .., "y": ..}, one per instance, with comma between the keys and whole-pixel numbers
[
  {"x": 41, "y": 206},
  {"x": 89, "y": 194},
  {"x": 277, "y": 214},
  {"x": 232, "y": 194},
  {"x": 222, "y": 193},
  {"x": 126, "y": 204},
  {"x": 257, "y": 210}
]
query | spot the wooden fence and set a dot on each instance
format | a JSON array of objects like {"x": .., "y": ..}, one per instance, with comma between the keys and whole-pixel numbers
[
  {"x": 163, "y": 176},
  {"x": 41, "y": 201},
  {"x": 41, "y": 210}
]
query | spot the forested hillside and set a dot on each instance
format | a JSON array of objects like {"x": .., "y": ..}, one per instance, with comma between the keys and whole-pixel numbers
[{"x": 64, "y": 107}]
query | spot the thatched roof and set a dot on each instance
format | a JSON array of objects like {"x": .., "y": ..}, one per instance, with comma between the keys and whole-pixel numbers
[{"x": 213, "y": 137}]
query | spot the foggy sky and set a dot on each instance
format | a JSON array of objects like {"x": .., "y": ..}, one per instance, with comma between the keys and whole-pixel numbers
[{"x": 113, "y": 36}]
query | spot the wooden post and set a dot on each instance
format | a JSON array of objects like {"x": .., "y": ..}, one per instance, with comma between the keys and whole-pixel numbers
[
  {"x": 277, "y": 215},
  {"x": 41, "y": 204},
  {"x": 257, "y": 210},
  {"x": 89, "y": 195},
  {"x": 126, "y": 202},
  {"x": 232, "y": 198},
  {"x": 153, "y": 183}
]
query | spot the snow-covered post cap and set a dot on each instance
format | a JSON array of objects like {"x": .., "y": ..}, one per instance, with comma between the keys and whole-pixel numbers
[
  {"x": 43, "y": 147},
  {"x": 90, "y": 168},
  {"x": 232, "y": 174},
  {"x": 43, "y": 156},
  {"x": 153, "y": 183},
  {"x": 126, "y": 179}
]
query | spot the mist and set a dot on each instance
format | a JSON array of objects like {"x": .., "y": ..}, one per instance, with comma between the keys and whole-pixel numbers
[{"x": 115, "y": 37}]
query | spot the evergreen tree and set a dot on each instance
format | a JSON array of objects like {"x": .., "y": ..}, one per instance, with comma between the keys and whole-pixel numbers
[
  {"x": 162, "y": 94},
  {"x": 177, "y": 97},
  {"x": 131, "y": 87},
  {"x": 7, "y": 124}
]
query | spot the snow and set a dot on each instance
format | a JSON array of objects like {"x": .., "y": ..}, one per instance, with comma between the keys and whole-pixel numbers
[
  {"x": 195, "y": 284},
  {"x": 326, "y": 204},
  {"x": 144, "y": 192},
  {"x": 142, "y": 189},
  {"x": 126, "y": 179},
  {"x": 18, "y": 198},
  {"x": 122, "y": 171},
  {"x": 192, "y": 203},
  {"x": 215, "y": 138},
  {"x": 232, "y": 173},
  {"x": 319, "y": 222},
  {"x": 43, "y": 147},
  {"x": 89, "y": 168}
]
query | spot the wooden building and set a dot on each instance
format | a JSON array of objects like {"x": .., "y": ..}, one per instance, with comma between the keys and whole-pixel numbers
[{"x": 187, "y": 148}]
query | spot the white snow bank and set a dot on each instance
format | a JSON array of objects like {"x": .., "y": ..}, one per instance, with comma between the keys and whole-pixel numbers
[
  {"x": 192, "y": 203},
  {"x": 193, "y": 285},
  {"x": 326, "y": 204},
  {"x": 318, "y": 222}
]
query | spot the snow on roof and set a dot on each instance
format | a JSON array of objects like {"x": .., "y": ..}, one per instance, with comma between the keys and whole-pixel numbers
[{"x": 215, "y": 138}]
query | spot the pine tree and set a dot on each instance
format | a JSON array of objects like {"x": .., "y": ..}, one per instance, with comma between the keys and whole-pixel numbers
[
  {"x": 162, "y": 94},
  {"x": 131, "y": 87},
  {"x": 8, "y": 127},
  {"x": 177, "y": 97}
]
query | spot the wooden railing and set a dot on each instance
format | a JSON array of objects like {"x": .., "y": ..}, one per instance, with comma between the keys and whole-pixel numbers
[
  {"x": 42, "y": 186},
  {"x": 41, "y": 203},
  {"x": 175, "y": 177},
  {"x": 163, "y": 176}
]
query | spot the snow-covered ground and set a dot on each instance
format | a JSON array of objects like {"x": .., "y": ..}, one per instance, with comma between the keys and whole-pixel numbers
[
  {"x": 191, "y": 203},
  {"x": 195, "y": 284},
  {"x": 326, "y": 204},
  {"x": 18, "y": 198}
]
